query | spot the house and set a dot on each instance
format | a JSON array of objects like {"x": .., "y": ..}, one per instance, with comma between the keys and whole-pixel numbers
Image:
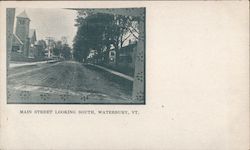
[
  {"x": 127, "y": 56},
  {"x": 109, "y": 57}
]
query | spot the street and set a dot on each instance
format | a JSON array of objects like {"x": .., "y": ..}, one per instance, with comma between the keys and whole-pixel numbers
[
  {"x": 91, "y": 57},
  {"x": 64, "y": 82}
]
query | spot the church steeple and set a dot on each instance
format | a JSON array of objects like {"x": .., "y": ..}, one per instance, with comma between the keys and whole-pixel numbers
[
  {"x": 22, "y": 29},
  {"x": 22, "y": 26},
  {"x": 23, "y": 15}
]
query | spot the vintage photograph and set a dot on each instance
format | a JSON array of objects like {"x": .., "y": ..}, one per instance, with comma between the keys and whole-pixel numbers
[{"x": 76, "y": 55}]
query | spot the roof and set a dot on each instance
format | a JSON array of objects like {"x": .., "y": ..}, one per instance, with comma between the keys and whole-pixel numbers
[
  {"x": 18, "y": 39},
  {"x": 23, "y": 15},
  {"x": 31, "y": 32}
]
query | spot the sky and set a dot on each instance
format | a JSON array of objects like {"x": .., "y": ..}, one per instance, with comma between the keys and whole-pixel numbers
[{"x": 52, "y": 22}]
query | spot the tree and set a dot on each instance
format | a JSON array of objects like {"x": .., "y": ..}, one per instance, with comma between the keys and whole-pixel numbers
[
  {"x": 98, "y": 30},
  {"x": 90, "y": 34},
  {"x": 58, "y": 47},
  {"x": 66, "y": 51},
  {"x": 41, "y": 46},
  {"x": 80, "y": 45}
]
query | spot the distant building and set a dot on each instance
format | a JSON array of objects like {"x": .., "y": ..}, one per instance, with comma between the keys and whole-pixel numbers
[
  {"x": 32, "y": 42},
  {"x": 109, "y": 57},
  {"x": 51, "y": 44},
  {"x": 24, "y": 39},
  {"x": 125, "y": 58},
  {"x": 32, "y": 36},
  {"x": 92, "y": 53}
]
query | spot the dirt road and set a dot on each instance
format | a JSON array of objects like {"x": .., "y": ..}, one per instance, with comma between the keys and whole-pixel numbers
[{"x": 64, "y": 82}]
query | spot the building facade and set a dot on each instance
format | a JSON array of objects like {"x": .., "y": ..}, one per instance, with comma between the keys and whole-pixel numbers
[{"x": 24, "y": 38}]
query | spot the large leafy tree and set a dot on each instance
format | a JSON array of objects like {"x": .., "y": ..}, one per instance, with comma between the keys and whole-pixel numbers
[
  {"x": 98, "y": 30},
  {"x": 80, "y": 45},
  {"x": 90, "y": 34}
]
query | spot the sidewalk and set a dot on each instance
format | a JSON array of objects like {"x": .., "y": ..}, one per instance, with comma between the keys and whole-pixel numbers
[
  {"x": 14, "y": 64},
  {"x": 113, "y": 72}
]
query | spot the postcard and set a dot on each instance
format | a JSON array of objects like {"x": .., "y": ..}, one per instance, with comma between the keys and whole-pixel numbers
[{"x": 127, "y": 75}]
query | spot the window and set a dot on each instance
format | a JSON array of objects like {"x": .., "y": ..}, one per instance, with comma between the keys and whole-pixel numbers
[{"x": 21, "y": 21}]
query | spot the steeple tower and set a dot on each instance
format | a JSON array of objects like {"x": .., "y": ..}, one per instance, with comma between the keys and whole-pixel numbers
[{"x": 22, "y": 30}]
